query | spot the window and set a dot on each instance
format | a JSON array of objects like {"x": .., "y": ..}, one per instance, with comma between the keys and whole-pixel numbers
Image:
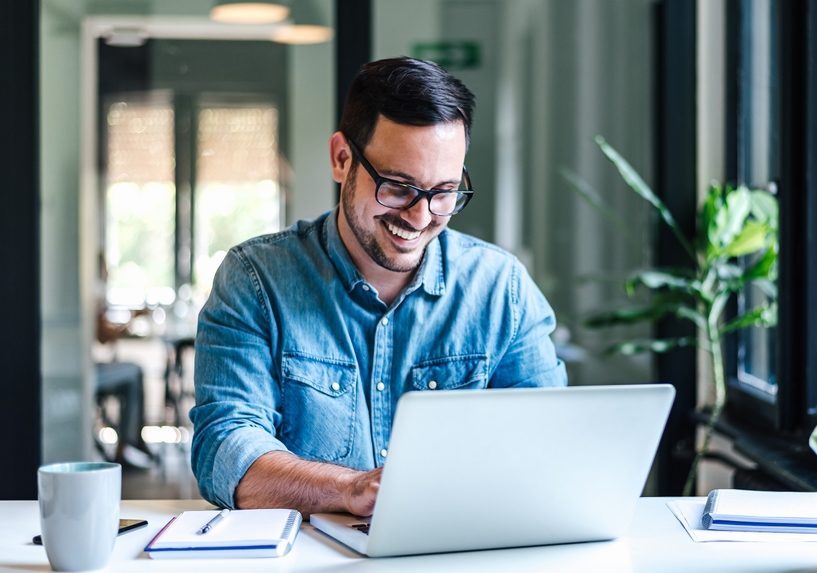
[
  {"x": 140, "y": 197},
  {"x": 238, "y": 194},
  {"x": 771, "y": 139},
  {"x": 192, "y": 163},
  {"x": 754, "y": 156}
]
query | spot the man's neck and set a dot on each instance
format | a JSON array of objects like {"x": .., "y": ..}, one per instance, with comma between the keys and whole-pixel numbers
[{"x": 389, "y": 284}]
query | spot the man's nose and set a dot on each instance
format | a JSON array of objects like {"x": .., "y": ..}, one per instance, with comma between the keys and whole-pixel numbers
[{"x": 418, "y": 215}]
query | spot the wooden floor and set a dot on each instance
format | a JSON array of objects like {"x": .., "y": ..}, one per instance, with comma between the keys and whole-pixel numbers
[{"x": 170, "y": 479}]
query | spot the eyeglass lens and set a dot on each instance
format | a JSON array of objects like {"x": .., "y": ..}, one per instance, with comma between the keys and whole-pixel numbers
[{"x": 401, "y": 196}]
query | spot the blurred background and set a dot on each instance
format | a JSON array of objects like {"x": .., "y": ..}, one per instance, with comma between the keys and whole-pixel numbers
[{"x": 171, "y": 130}]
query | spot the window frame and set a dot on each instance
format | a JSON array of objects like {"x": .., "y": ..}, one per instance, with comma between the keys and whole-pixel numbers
[{"x": 792, "y": 414}]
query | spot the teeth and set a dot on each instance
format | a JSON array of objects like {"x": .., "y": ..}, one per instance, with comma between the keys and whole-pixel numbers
[{"x": 402, "y": 233}]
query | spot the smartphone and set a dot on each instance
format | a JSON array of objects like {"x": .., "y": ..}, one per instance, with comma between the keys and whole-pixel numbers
[{"x": 125, "y": 525}]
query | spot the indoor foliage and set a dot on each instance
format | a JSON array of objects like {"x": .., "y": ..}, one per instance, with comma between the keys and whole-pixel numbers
[{"x": 735, "y": 245}]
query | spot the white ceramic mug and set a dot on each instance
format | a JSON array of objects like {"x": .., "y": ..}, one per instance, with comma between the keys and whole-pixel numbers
[{"x": 79, "y": 513}]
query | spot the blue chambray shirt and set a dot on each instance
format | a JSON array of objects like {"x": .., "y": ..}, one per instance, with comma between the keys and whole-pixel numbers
[{"x": 295, "y": 351}]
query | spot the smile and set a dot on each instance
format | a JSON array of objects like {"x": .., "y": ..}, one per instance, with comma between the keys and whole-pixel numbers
[{"x": 402, "y": 233}]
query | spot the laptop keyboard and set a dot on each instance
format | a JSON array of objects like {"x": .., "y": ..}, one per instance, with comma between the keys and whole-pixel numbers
[{"x": 362, "y": 527}]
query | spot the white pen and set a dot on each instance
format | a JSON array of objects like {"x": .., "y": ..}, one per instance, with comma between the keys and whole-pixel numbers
[{"x": 209, "y": 525}]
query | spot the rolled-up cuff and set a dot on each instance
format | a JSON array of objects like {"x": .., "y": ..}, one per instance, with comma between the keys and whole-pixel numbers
[{"x": 235, "y": 456}]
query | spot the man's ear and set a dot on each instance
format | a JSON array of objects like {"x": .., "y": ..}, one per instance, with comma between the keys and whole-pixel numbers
[{"x": 340, "y": 156}]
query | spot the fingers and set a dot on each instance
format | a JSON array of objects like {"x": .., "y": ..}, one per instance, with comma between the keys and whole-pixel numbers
[{"x": 364, "y": 491}]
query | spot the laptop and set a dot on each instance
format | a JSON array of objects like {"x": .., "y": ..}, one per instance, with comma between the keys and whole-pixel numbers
[{"x": 485, "y": 469}]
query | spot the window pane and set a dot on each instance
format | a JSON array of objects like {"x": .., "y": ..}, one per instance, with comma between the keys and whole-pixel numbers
[
  {"x": 758, "y": 165},
  {"x": 238, "y": 193},
  {"x": 139, "y": 203}
]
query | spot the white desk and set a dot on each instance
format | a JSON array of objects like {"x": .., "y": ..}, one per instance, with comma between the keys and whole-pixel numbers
[{"x": 656, "y": 543}]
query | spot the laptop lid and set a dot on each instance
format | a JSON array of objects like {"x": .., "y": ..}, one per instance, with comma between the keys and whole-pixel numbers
[{"x": 477, "y": 469}]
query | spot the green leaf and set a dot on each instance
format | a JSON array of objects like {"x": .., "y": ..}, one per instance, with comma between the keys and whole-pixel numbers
[
  {"x": 692, "y": 314},
  {"x": 718, "y": 305},
  {"x": 655, "y": 280},
  {"x": 765, "y": 208},
  {"x": 637, "y": 184},
  {"x": 764, "y": 267},
  {"x": 659, "y": 345},
  {"x": 751, "y": 239},
  {"x": 728, "y": 271},
  {"x": 707, "y": 227},
  {"x": 595, "y": 200},
  {"x": 769, "y": 288},
  {"x": 660, "y": 307},
  {"x": 624, "y": 316},
  {"x": 764, "y": 316},
  {"x": 731, "y": 219}
]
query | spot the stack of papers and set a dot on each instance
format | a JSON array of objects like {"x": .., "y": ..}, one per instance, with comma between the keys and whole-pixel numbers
[
  {"x": 772, "y": 511},
  {"x": 240, "y": 533}
]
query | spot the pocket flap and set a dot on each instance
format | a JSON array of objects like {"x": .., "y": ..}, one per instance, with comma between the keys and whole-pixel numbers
[
  {"x": 328, "y": 376},
  {"x": 451, "y": 372}
]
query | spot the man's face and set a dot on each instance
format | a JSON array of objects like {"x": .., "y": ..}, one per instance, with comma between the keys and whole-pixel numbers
[{"x": 427, "y": 157}]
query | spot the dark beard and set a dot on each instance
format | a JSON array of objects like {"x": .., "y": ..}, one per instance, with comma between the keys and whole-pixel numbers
[{"x": 367, "y": 240}]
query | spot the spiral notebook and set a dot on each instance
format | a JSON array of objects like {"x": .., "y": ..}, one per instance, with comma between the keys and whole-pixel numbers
[{"x": 241, "y": 533}]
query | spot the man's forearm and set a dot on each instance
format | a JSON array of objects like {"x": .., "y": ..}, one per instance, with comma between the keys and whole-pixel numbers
[{"x": 281, "y": 479}]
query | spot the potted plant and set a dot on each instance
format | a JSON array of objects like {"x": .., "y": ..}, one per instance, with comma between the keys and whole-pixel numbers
[{"x": 735, "y": 245}]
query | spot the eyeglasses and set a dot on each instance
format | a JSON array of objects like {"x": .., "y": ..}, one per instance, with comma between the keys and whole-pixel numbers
[{"x": 399, "y": 195}]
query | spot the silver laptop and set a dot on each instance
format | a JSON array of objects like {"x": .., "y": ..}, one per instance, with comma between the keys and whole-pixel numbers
[{"x": 482, "y": 469}]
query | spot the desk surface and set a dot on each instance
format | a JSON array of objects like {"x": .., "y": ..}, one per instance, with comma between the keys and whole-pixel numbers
[{"x": 656, "y": 543}]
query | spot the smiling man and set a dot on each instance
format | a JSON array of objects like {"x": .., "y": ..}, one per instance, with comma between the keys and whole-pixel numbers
[{"x": 310, "y": 336}]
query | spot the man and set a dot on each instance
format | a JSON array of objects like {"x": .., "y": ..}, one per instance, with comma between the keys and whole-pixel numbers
[{"x": 310, "y": 336}]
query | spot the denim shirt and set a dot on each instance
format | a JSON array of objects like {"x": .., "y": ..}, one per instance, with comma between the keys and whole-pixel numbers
[{"x": 295, "y": 351}]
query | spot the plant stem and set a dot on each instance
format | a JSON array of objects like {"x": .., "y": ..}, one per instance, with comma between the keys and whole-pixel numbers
[{"x": 716, "y": 352}]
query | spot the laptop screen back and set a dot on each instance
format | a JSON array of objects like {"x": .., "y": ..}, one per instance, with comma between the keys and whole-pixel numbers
[{"x": 503, "y": 468}]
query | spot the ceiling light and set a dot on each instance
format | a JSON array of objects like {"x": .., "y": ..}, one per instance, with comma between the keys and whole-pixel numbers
[
  {"x": 303, "y": 34},
  {"x": 243, "y": 12},
  {"x": 308, "y": 25}
]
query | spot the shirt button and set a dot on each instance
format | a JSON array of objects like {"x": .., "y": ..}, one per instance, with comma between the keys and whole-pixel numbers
[
  {"x": 366, "y": 287},
  {"x": 432, "y": 385},
  {"x": 384, "y": 321},
  {"x": 384, "y": 452},
  {"x": 380, "y": 386},
  {"x": 335, "y": 386}
]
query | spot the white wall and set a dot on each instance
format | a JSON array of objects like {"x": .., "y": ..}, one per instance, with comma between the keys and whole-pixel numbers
[
  {"x": 312, "y": 108},
  {"x": 554, "y": 74}
]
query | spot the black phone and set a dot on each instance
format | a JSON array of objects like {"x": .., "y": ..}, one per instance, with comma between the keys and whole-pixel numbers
[{"x": 125, "y": 525}]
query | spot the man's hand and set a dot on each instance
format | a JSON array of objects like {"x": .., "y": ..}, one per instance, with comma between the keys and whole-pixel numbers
[
  {"x": 362, "y": 493},
  {"x": 281, "y": 479}
]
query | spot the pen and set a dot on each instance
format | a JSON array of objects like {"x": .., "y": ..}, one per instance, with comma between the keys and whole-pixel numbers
[{"x": 209, "y": 525}]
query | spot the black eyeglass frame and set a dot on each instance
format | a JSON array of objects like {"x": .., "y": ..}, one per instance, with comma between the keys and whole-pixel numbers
[{"x": 429, "y": 194}]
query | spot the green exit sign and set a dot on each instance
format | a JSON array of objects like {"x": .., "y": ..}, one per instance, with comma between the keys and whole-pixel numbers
[{"x": 452, "y": 55}]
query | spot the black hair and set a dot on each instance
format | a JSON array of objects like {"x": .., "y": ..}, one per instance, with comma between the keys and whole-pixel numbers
[{"x": 407, "y": 91}]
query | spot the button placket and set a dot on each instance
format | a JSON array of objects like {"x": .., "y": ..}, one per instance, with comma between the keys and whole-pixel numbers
[{"x": 380, "y": 399}]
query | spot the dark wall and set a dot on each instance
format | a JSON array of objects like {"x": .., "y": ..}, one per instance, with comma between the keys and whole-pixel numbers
[{"x": 20, "y": 381}]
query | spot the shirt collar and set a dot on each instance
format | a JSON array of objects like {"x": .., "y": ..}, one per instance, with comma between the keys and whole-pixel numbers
[{"x": 430, "y": 275}]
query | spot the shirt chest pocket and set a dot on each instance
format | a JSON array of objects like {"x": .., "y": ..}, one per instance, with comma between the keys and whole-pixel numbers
[
  {"x": 450, "y": 373},
  {"x": 318, "y": 405}
]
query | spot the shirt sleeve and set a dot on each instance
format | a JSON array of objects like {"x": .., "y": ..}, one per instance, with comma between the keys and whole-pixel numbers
[
  {"x": 235, "y": 415},
  {"x": 530, "y": 360}
]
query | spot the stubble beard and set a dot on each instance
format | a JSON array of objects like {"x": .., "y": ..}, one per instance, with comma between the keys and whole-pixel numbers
[{"x": 368, "y": 240}]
